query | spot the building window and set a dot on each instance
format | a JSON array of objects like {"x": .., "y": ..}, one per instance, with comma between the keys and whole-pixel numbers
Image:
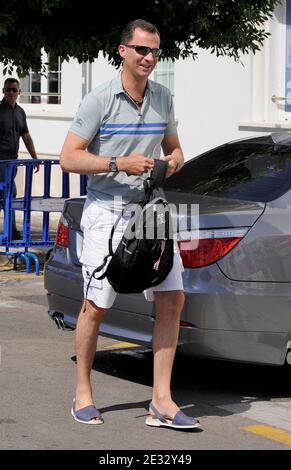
[
  {"x": 164, "y": 74},
  {"x": 29, "y": 84},
  {"x": 54, "y": 81},
  {"x": 270, "y": 69},
  {"x": 37, "y": 88}
]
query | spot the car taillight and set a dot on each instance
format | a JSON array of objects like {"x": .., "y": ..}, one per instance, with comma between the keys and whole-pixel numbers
[
  {"x": 62, "y": 238},
  {"x": 209, "y": 247}
]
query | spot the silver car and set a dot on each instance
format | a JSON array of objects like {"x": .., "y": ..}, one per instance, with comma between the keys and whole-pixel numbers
[{"x": 237, "y": 276}]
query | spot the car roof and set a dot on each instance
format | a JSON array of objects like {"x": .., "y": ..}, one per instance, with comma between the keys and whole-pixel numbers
[{"x": 279, "y": 138}]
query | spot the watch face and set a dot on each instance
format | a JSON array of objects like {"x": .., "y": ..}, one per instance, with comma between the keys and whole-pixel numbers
[{"x": 112, "y": 165}]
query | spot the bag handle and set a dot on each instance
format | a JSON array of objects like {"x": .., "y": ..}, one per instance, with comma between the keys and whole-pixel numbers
[{"x": 157, "y": 175}]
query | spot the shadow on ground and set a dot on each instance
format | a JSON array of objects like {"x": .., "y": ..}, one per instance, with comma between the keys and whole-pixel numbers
[{"x": 213, "y": 377}]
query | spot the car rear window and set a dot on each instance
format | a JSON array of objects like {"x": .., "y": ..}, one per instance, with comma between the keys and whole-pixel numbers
[{"x": 247, "y": 171}]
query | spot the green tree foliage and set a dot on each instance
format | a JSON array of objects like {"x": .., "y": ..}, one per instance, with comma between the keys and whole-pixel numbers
[{"x": 81, "y": 29}]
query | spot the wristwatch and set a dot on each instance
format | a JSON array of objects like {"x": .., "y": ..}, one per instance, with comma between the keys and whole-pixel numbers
[{"x": 112, "y": 164}]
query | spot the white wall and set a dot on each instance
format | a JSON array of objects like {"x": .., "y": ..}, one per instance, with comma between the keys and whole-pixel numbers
[
  {"x": 102, "y": 71},
  {"x": 48, "y": 135},
  {"x": 211, "y": 96}
]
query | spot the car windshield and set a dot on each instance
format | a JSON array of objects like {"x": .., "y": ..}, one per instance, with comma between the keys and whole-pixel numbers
[{"x": 247, "y": 171}]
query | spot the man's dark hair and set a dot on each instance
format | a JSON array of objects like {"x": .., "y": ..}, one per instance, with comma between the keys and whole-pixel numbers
[
  {"x": 11, "y": 80},
  {"x": 129, "y": 29}
]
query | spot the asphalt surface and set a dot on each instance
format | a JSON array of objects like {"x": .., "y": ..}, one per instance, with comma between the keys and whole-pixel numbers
[{"x": 240, "y": 406}]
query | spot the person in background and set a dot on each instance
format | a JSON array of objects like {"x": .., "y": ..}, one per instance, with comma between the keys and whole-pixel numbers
[{"x": 13, "y": 125}]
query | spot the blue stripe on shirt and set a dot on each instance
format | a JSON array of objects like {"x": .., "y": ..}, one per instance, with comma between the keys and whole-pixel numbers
[
  {"x": 113, "y": 132},
  {"x": 148, "y": 124}
]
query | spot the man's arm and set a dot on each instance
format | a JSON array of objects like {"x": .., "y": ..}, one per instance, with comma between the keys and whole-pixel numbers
[
  {"x": 75, "y": 159},
  {"x": 173, "y": 153},
  {"x": 27, "y": 139}
]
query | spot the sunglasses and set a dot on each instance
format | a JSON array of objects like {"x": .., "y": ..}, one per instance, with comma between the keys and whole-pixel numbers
[
  {"x": 11, "y": 89},
  {"x": 144, "y": 50}
]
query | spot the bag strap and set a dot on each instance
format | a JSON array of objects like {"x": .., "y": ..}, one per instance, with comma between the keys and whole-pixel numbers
[
  {"x": 157, "y": 176},
  {"x": 110, "y": 246}
]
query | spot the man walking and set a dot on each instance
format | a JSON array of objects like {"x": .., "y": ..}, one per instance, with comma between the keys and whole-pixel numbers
[{"x": 117, "y": 133}]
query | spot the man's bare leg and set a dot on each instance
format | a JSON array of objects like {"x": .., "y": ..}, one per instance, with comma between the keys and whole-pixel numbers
[
  {"x": 86, "y": 342},
  {"x": 165, "y": 337}
]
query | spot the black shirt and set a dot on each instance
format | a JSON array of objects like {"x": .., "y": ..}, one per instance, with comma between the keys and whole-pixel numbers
[{"x": 12, "y": 126}]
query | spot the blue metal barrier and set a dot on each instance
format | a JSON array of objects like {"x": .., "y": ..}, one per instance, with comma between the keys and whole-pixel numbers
[{"x": 27, "y": 204}]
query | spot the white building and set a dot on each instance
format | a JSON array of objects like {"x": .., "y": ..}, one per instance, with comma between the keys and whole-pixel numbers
[{"x": 216, "y": 99}]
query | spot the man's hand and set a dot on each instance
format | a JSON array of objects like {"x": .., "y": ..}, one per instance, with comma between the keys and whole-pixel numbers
[
  {"x": 135, "y": 164},
  {"x": 36, "y": 168},
  {"x": 173, "y": 154},
  {"x": 172, "y": 165}
]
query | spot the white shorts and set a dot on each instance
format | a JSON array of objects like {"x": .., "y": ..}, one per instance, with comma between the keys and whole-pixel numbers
[{"x": 96, "y": 224}]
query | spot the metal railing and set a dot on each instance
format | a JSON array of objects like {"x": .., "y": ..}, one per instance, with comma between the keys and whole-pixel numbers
[{"x": 27, "y": 204}]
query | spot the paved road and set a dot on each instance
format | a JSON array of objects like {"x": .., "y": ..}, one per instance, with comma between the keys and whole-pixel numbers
[{"x": 240, "y": 406}]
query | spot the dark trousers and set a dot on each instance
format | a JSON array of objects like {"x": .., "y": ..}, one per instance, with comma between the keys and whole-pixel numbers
[{"x": 14, "y": 193}]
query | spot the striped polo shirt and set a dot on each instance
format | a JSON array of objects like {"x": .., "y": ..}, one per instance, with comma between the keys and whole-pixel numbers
[{"x": 115, "y": 126}]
